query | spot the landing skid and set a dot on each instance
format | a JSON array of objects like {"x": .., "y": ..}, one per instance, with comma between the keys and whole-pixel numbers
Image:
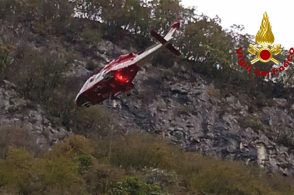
[{"x": 87, "y": 104}]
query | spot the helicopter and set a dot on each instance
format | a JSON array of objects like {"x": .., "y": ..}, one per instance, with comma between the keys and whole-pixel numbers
[{"x": 117, "y": 76}]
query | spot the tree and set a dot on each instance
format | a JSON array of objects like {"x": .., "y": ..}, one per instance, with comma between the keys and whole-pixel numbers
[{"x": 40, "y": 15}]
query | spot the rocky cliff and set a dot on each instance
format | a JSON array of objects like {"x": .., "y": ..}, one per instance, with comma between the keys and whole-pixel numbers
[
  {"x": 178, "y": 103},
  {"x": 193, "y": 115},
  {"x": 17, "y": 112},
  {"x": 190, "y": 110}
]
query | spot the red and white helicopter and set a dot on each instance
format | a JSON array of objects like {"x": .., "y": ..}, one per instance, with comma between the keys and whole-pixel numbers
[{"x": 117, "y": 76}]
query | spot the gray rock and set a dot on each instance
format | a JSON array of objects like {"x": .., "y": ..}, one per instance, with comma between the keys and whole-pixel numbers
[
  {"x": 107, "y": 48},
  {"x": 215, "y": 123},
  {"x": 17, "y": 112},
  {"x": 280, "y": 101}
]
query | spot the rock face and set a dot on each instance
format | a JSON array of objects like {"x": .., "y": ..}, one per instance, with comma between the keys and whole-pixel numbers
[
  {"x": 192, "y": 113},
  {"x": 17, "y": 112}
]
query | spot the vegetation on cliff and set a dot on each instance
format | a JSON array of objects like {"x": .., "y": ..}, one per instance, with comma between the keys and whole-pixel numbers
[{"x": 144, "y": 165}]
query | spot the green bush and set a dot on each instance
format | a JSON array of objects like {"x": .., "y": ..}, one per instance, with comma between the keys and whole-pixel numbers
[
  {"x": 136, "y": 152},
  {"x": 59, "y": 174},
  {"x": 22, "y": 173},
  {"x": 133, "y": 186},
  {"x": 53, "y": 173},
  {"x": 72, "y": 147},
  {"x": 85, "y": 162},
  {"x": 228, "y": 178}
]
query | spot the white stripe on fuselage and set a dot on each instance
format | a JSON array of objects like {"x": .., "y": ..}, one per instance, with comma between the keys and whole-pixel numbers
[{"x": 96, "y": 78}]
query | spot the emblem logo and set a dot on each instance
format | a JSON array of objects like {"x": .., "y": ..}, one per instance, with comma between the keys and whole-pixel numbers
[{"x": 264, "y": 51}]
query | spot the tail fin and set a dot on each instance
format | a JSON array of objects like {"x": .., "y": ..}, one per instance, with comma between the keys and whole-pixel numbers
[{"x": 165, "y": 40}]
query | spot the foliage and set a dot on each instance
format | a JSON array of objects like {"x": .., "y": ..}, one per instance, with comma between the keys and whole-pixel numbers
[
  {"x": 204, "y": 174},
  {"x": 137, "y": 17},
  {"x": 37, "y": 73},
  {"x": 24, "y": 174},
  {"x": 133, "y": 186},
  {"x": 137, "y": 153},
  {"x": 205, "y": 41},
  {"x": 76, "y": 166},
  {"x": 5, "y": 59},
  {"x": 202, "y": 40},
  {"x": 93, "y": 122},
  {"x": 16, "y": 137},
  {"x": 40, "y": 15},
  {"x": 90, "y": 35}
]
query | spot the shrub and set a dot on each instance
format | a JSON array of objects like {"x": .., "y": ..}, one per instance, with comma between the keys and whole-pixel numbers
[
  {"x": 59, "y": 175},
  {"x": 17, "y": 171},
  {"x": 85, "y": 162},
  {"x": 45, "y": 17},
  {"x": 167, "y": 180},
  {"x": 37, "y": 73},
  {"x": 101, "y": 176},
  {"x": 228, "y": 178},
  {"x": 133, "y": 186},
  {"x": 5, "y": 60},
  {"x": 72, "y": 147},
  {"x": 94, "y": 122},
  {"x": 75, "y": 167},
  {"x": 199, "y": 174},
  {"x": 132, "y": 151},
  {"x": 54, "y": 173},
  {"x": 16, "y": 137},
  {"x": 79, "y": 150},
  {"x": 91, "y": 35}
]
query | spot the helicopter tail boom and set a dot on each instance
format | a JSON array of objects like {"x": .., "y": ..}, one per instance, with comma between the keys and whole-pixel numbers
[{"x": 165, "y": 42}]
